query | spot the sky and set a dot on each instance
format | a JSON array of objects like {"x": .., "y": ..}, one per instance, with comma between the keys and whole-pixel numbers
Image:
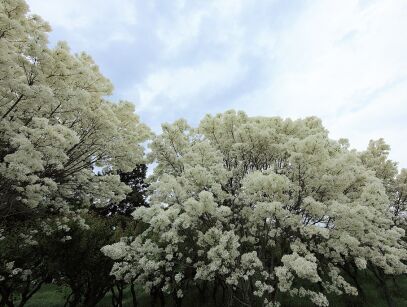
[{"x": 344, "y": 61}]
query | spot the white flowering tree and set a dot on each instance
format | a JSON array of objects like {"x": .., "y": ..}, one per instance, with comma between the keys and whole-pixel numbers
[
  {"x": 376, "y": 158},
  {"x": 55, "y": 127},
  {"x": 399, "y": 206},
  {"x": 261, "y": 208}
]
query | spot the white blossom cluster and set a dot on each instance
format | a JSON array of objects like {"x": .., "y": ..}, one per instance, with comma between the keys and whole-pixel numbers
[
  {"x": 56, "y": 125},
  {"x": 10, "y": 271},
  {"x": 262, "y": 205}
]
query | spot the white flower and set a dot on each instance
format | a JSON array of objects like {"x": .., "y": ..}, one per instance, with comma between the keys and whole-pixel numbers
[{"x": 178, "y": 277}]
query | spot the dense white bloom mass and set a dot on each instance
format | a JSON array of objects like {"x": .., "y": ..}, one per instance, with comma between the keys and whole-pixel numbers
[
  {"x": 56, "y": 125},
  {"x": 263, "y": 206}
]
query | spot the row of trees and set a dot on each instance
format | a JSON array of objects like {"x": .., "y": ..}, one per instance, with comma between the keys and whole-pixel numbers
[{"x": 255, "y": 208}]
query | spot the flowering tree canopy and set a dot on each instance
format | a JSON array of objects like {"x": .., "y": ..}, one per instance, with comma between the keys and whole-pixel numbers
[
  {"x": 56, "y": 126},
  {"x": 262, "y": 206},
  {"x": 55, "y": 123},
  {"x": 376, "y": 158}
]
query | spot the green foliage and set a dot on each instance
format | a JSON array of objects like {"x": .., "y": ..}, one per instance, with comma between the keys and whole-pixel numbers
[
  {"x": 135, "y": 179},
  {"x": 79, "y": 263}
]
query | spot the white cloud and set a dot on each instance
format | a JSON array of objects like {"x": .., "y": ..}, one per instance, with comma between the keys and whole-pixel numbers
[
  {"x": 82, "y": 18},
  {"x": 384, "y": 117},
  {"x": 339, "y": 61},
  {"x": 344, "y": 61},
  {"x": 330, "y": 71},
  {"x": 190, "y": 22},
  {"x": 180, "y": 32},
  {"x": 181, "y": 86}
]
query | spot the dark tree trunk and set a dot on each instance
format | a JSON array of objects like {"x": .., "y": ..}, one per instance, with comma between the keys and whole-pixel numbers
[
  {"x": 28, "y": 294},
  {"x": 382, "y": 281},
  {"x": 353, "y": 274},
  {"x": 177, "y": 300},
  {"x": 117, "y": 298},
  {"x": 156, "y": 295},
  {"x": 133, "y": 295},
  {"x": 162, "y": 299},
  {"x": 214, "y": 292},
  {"x": 202, "y": 290},
  {"x": 5, "y": 294}
]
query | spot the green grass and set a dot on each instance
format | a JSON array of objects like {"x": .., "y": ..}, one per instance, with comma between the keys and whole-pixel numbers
[
  {"x": 54, "y": 296},
  {"x": 49, "y": 295}
]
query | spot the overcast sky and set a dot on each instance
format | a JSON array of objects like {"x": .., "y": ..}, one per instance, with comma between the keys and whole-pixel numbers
[{"x": 344, "y": 61}]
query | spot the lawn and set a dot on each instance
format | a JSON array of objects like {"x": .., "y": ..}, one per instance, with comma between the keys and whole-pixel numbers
[{"x": 53, "y": 296}]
